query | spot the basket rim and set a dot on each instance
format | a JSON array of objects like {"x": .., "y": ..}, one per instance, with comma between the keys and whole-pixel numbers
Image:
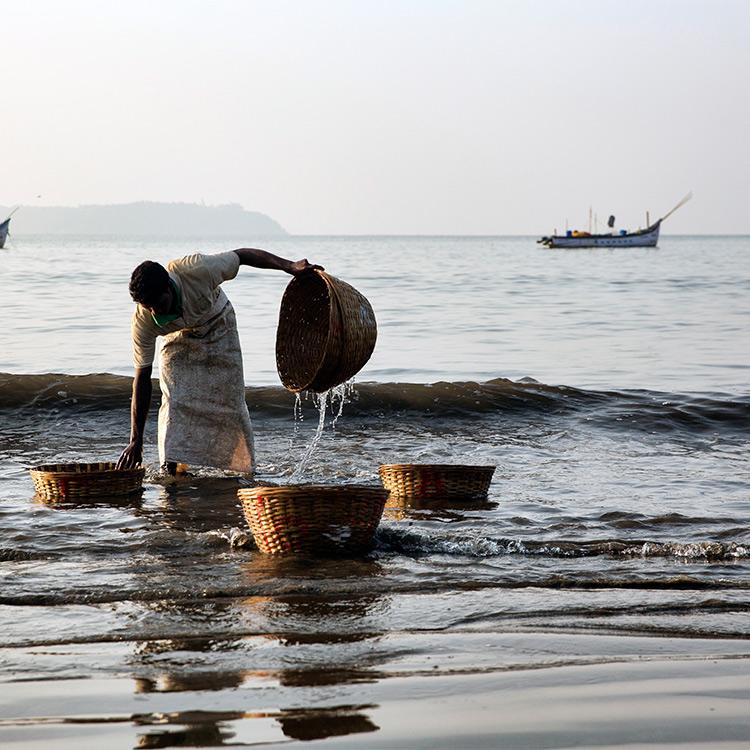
[
  {"x": 309, "y": 489},
  {"x": 316, "y": 382},
  {"x": 89, "y": 470},
  {"x": 328, "y": 285},
  {"x": 386, "y": 467}
]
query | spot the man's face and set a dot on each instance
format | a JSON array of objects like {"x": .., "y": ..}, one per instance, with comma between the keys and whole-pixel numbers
[{"x": 163, "y": 303}]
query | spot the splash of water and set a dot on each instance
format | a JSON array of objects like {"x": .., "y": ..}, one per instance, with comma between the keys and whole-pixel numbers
[
  {"x": 341, "y": 393},
  {"x": 298, "y": 417},
  {"x": 321, "y": 402}
]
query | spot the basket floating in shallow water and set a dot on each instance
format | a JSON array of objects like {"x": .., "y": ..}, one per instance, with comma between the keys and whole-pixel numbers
[
  {"x": 322, "y": 519},
  {"x": 326, "y": 334},
  {"x": 84, "y": 481},
  {"x": 446, "y": 481}
]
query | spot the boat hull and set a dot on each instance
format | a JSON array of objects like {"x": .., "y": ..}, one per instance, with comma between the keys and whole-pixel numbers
[
  {"x": 646, "y": 238},
  {"x": 4, "y": 232}
]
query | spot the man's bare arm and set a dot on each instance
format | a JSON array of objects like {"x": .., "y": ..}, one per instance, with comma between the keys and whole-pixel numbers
[
  {"x": 140, "y": 404},
  {"x": 250, "y": 256}
]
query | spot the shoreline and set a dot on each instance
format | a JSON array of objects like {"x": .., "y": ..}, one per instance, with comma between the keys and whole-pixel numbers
[{"x": 677, "y": 702}]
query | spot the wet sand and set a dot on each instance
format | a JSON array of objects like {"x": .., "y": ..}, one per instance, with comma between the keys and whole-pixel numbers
[{"x": 669, "y": 701}]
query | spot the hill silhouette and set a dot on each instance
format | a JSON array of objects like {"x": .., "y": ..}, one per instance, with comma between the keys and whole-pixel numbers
[{"x": 143, "y": 218}]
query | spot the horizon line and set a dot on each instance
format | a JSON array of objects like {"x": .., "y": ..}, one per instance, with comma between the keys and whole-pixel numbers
[{"x": 384, "y": 235}]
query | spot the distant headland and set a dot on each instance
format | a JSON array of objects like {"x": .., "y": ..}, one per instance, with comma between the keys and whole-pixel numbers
[{"x": 144, "y": 219}]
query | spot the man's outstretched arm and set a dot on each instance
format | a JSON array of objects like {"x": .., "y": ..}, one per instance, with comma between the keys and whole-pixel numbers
[
  {"x": 140, "y": 403},
  {"x": 250, "y": 256}
]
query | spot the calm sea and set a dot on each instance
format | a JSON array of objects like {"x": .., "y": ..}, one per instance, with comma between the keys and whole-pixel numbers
[
  {"x": 449, "y": 308},
  {"x": 610, "y": 388}
]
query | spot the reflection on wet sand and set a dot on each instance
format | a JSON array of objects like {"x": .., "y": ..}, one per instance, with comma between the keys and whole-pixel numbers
[
  {"x": 317, "y": 724},
  {"x": 337, "y": 606},
  {"x": 217, "y": 728},
  {"x": 189, "y": 682},
  {"x": 197, "y": 729},
  {"x": 221, "y": 728},
  {"x": 303, "y": 641}
]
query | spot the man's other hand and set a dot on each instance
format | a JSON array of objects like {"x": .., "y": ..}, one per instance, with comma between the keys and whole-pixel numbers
[{"x": 303, "y": 266}]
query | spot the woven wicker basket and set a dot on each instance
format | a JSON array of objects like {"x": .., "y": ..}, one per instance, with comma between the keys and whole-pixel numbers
[
  {"x": 326, "y": 334},
  {"x": 328, "y": 519},
  {"x": 446, "y": 481},
  {"x": 83, "y": 481}
]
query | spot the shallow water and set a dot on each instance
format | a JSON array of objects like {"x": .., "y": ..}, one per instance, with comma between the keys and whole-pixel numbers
[{"x": 616, "y": 528}]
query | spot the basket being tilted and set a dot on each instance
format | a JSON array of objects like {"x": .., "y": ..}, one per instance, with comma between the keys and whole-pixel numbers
[
  {"x": 326, "y": 334},
  {"x": 321, "y": 519},
  {"x": 83, "y": 481}
]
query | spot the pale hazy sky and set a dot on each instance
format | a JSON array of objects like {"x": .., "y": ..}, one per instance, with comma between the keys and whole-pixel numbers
[{"x": 384, "y": 116}]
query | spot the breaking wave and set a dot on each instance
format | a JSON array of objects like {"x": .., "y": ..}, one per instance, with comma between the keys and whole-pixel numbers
[
  {"x": 635, "y": 409},
  {"x": 415, "y": 542}
]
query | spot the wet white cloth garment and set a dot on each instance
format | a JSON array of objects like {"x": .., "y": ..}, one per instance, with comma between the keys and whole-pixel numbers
[{"x": 203, "y": 418}]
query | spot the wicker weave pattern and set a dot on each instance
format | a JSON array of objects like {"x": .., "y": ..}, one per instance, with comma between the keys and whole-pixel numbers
[
  {"x": 447, "y": 481},
  {"x": 326, "y": 334},
  {"x": 313, "y": 518},
  {"x": 83, "y": 481}
]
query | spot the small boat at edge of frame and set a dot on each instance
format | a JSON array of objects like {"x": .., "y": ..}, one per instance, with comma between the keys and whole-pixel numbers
[
  {"x": 5, "y": 226},
  {"x": 4, "y": 232}
]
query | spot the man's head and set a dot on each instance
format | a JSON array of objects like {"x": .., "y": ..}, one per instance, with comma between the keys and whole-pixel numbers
[{"x": 149, "y": 286}]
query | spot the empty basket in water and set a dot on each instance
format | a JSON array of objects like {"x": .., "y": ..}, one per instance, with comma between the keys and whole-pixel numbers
[
  {"x": 323, "y": 519},
  {"x": 326, "y": 334},
  {"x": 447, "y": 481},
  {"x": 84, "y": 481}
]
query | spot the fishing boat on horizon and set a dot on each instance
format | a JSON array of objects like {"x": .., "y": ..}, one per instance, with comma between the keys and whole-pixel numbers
[
  {"x": 647, "y": 237},
  {"x": 5, "y": 227}
]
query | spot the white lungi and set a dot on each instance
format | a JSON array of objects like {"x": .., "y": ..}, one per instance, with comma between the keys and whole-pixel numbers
[{"x": 203, "y": 417}]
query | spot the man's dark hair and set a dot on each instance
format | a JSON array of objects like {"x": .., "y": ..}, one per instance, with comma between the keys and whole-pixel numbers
[{"x": 149, "y": 281}]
